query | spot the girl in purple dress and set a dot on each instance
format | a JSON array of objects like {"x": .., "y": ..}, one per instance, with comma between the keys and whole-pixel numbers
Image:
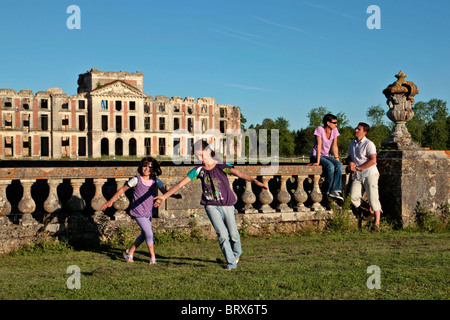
[{"x": 145, "y": 188}]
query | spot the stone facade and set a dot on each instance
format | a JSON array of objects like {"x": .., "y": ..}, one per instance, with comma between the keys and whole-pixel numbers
[{"x": 109, "y": 115}]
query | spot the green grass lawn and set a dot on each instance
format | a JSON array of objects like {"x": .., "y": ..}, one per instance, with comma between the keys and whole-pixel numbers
[{"x": 413, "y": 266}]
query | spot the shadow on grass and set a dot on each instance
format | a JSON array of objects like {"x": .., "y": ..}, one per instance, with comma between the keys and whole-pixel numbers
[{"x": 117, "y": 254}]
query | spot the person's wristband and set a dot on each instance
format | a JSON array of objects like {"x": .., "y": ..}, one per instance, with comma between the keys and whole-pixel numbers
[{"x": 358, "y": 169}]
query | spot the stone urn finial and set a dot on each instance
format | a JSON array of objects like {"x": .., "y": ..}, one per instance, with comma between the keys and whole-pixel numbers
[{"x": 400, "y": 99}]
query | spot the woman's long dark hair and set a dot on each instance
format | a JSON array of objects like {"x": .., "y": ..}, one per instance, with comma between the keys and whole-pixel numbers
[{"x": 156, "y": 169}]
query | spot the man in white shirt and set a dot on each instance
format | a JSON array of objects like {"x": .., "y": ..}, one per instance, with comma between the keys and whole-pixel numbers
[{"x": 363, "y": 165}]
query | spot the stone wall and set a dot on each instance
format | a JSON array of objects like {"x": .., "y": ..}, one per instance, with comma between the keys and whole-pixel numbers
[
  {"x": 63, "y": 199},
  {"x": 409, "y": 178}
]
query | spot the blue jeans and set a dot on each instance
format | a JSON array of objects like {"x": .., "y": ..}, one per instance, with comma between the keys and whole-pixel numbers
[
  {"x": 333, "y": 170},
  {"x": 224, "y": 223}
]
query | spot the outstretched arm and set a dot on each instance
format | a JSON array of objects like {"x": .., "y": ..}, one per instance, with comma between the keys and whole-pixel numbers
[
  {"x": 110, "y": 202},
  {"x": 160, "y": 199},
  {"x": 164, "y": 190},
  {"x": 245, "y": 176}
]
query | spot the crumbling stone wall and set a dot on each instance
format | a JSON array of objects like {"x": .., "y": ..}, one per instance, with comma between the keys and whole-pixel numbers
[{"x": 412, "y": 177}]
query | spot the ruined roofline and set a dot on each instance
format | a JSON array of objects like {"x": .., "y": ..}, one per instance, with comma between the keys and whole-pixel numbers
[
  {"x": 121, "y": 75},
  {"x": 58, "y": 92},
  {"x": 110, "y": 73}
]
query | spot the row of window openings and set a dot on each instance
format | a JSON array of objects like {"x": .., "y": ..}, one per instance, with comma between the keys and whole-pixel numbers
[
  {"x": 118, "y": 144},
  {"x": 44, "y": 122},
  {"x": 43, "y": 104},
  {"x": 65, "y": 146},
  {"x": 82, "y": 123},
  {"x": 161, "y": 126},
  {"x": 118, "y": 106},
  {"x": 161, "y": 108},
  {"x": 147, "y": 146},
  {"x": 132, "y": 148},
  {"x": 44, "y": 145}
]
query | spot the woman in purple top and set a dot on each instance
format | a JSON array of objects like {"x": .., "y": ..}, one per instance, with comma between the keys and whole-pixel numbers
[
  {"x": 145, "y": 188},
  {"x": 217, "y": 197},
  {"x": 326, "y": 139}
]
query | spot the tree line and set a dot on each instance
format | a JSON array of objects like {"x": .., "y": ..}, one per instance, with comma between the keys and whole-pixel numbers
[{"x": 429, "y": 127}]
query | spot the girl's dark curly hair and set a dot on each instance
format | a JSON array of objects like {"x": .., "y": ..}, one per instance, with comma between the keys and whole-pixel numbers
[{"x": 156, "y": 169}]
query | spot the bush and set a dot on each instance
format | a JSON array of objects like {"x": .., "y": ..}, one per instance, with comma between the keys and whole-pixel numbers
[
  {"x": 432, "y": 221},
  {"x": 342, "y": 220}
]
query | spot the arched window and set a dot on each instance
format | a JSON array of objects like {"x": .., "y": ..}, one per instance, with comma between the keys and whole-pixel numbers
[
  {"x": 104, "y": 147},
  {"x": 132, "y": 147},
  {"x": 119, "y": 147}
]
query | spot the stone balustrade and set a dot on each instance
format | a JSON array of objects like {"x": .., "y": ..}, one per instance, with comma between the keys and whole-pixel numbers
[
  {"x": 31, "y": 192},
  {"x": 293, "y": 188}
]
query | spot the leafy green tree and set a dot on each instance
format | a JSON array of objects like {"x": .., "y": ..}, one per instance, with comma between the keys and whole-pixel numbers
[
  {"x": 437, "y": 132},
  {"x": 379, "y": 135},
  {"x": 316, "y": 115},
  {"x": 347, "y": 135},
  {"x": 286, "y": 146},
  {"x": 448, "y": 138},
  {"x": 304, "y": 141},
  {"x": 375, "y": 116},
  {"x": 417, "y": 125},
  {"x": 243, "y": 121},
  {"x": 429, "y": 126},
  {"x": 287, "y": 143},
  {"x": 342, "y": 120},
  {"x": 379, "y": 131}
]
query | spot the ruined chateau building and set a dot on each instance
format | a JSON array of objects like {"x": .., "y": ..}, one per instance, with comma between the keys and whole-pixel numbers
[{"x": 109, "y": 116}]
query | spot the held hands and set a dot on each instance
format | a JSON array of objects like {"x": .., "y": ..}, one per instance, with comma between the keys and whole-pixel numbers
[
  {"x": 107, "y": 204},
  {"x": 158, "y": 201}
]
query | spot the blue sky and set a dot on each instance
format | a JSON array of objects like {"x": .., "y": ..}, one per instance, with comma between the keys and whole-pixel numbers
[{"x": 271, "y": 58}]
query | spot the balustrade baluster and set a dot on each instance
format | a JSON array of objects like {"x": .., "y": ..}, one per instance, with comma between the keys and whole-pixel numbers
[
  {"x": 26, "y": 204},
  {"x": 76, "y": 203},
  {"x": 316, "y": 194},
  {"x": 122, "y": 202},
  {"x": 248, "y": 197},
  {"x": 5, "y": 206},
  {"x": 266, "y": 197},
  {"x": 98, "y": 199},
  {"x": 52, "y": 203},
  {"x": 283, "y": 196},
  {"x": 300, "y": 194},
  {"x": 231, "y": 179}
]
